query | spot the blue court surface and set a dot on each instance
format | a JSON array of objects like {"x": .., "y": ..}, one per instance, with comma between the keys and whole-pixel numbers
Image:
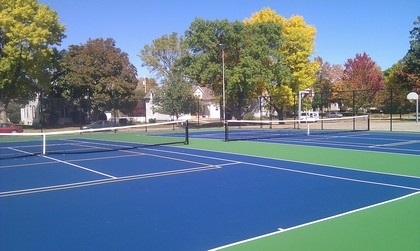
[{"x": 175, "y": 198}]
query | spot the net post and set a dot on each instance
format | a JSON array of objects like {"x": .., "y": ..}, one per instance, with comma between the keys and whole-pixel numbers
[
  {"x": 225, "y": 124},
  {"x": 44, "y": 144},
  {"x": 368, "y": 121},
  {"x": 307, "y": 129},
  {"x": 187, "y": 135}
]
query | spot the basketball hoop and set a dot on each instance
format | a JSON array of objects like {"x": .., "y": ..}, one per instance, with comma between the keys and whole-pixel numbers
[{"x": 412, "y": 96}]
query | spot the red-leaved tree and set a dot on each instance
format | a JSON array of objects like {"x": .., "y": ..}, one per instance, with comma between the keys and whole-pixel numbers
[{"x": 362, "y": 81}]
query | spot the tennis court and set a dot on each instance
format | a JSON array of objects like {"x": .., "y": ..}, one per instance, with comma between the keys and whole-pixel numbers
[{"x": 104, "y": 192}]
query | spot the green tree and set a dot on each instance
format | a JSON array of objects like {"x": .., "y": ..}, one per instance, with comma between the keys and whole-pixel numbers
[
  {"x": 411, "y": 60},
  {"x": 175, "y": 97},
  {"x": 205, "y": 40},
  {"x": 398, "y": 87},
  {"x": 260, "y": 68},
  {"x": 99, "y": 77},
  {"x": 160, "y": 57},
  {"x": 28, "y": 30},
  {"x": 163, "y": 57},
  {"x": 251, "y": 56}
]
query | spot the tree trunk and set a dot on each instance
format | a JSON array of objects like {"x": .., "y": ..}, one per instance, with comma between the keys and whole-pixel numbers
[{"x": 3, "y": 115}]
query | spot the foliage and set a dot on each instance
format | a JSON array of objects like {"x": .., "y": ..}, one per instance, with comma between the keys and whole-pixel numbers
[
  {"x": 160, "y": 57},
  {"x": 295, "y": 46},
  {"x": 27, "y": 32},
  {"x": 100, "y": 73},
  {"x": 412, "y": 59},
  {"x": 362, "y": 80},
  {"x": 175, "y": 97},
  {"x": 398, "y": 88},
  {"x": 259, "y": 68},
  {"x": 204, "y": 64},
  {"x": 326, "y": 78},
  {"x": 251, "y": 57},
  {"x": 13, "y": 112}
]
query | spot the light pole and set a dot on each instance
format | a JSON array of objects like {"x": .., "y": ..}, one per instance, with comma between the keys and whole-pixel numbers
[{"x": 222, "y": 46}]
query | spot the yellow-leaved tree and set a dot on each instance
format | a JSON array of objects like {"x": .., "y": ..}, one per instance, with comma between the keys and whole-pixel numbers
[{"x": 296, "y": 47}]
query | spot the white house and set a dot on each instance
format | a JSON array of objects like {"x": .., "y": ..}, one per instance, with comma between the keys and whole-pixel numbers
[
  {"x": 209, "y": 105},
  {"x": 29, "y": 114},
  {"x": 151, "y": 112}
]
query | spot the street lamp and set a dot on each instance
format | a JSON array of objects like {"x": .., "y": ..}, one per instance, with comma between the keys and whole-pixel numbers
[{"x": 222, "y": 46}]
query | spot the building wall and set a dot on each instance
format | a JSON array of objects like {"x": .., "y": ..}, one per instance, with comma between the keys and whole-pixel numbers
[{"x": 30, "y": 115}]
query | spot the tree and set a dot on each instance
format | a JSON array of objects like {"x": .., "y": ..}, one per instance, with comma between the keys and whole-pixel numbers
[
  {"x": 327, "y": 78},
  {"x": 204, "y": 63},
  {"x": 163, "y": 57},
  {"x": 27, "y": 32},
  {"x": 160, "y": 57},
  {"x": 99, "y": 77},
  {"x": 175, "y": 97},
  {"x": 251, "y": 56},
  {"x": 296, "y": 47},
  {"x": 398, "y": 87},
  {"x": 412, "y": 59},
  {"x": 362, "y": 80},
  {"x": 261, "y": 66}
]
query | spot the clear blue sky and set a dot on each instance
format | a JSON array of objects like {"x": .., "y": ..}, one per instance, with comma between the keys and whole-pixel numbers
[{"x": 344, "y": 28}]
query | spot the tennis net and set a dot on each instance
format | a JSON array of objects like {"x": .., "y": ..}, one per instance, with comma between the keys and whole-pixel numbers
[
  {"x": 265, "y": 129},
  {"x": 93, "y": 140}
]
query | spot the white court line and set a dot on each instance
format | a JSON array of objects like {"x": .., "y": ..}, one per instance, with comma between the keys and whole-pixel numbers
[
  {"x": 398, "y": 143},
  {"x": 81, "y": 167},
  {"x": 281, "y": 230},
  {"x": 196, "y": 155},
  {"x": 283, "y": 160},
  {"x": 107, "y": 181},
  {"x": 333, "y": 176},
  {"x": 305, "y": 172},
  {"x": 360, "y": 146}
]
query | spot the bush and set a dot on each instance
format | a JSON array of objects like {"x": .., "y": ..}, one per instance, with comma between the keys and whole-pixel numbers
[
  {"x": 249, "y": 116},
  {"x": 13, "y": 112}
]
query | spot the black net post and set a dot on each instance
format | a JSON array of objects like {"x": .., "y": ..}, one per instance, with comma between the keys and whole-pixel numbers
[
  {"x": 391, "y": 109},
  {"x": 187, "y": 135},
  {"x": 226, "y": 131}
]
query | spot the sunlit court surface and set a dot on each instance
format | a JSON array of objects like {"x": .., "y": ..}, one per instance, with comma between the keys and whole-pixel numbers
[{"x": 107, "y": 191}]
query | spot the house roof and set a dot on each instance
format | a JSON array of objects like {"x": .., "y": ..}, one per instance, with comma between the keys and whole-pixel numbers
[
  {"x": 149, "y": 94},
  {"x": 207, "y": 93}
]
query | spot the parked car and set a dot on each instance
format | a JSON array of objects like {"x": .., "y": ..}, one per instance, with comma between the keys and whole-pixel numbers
[
  {"x": 99, "y": 124},
  {"x": 309, "y": 116},
  {"x": 10, "y": 128},
  {"x": 334, "y": 115}
]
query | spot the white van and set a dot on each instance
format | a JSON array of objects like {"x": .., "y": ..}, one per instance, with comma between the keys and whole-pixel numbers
[{"x": 309, "y": 116}]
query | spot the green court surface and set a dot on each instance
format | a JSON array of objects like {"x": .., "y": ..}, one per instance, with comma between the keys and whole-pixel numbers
[{"x": 392, "y": 226}]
